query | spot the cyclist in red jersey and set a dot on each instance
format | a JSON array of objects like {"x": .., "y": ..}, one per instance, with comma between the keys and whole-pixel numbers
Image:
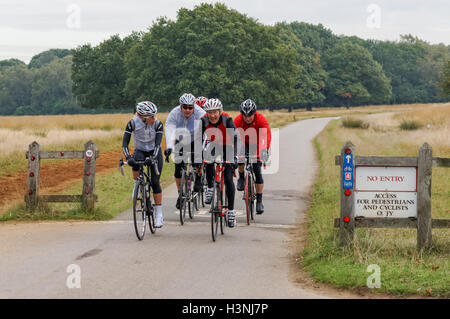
[
  {"x": 250, "y": 120},
  {"x": 215, "y": 125}
]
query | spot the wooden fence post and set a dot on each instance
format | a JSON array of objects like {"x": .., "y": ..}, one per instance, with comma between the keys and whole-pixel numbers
[
  {"x": 90, "y": 155},
  {"x": 424, "y": 170},
  {"x": 347, "y": 220},
  {"x": 34, "y": 165}
]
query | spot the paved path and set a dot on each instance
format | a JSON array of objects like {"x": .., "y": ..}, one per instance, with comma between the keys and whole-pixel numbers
[{"x": 178, "y": 261}]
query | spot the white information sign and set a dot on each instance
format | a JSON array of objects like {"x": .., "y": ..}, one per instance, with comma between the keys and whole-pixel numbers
[{"x": 385, "y": 191}]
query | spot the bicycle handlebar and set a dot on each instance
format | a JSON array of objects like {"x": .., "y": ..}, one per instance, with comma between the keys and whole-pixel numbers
[{"x": 153, "y": 162}]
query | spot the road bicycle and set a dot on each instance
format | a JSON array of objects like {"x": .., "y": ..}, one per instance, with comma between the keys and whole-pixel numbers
[
  {"x": 219, "y": 205},
  {"x": 142, "y": 203},
  {"x": 189, "y": 200},
  {"x": 249, "y": 195}
]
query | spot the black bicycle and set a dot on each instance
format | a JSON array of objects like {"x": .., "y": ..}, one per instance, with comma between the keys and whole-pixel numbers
[
  {"x": 142, "y": 203},
  {"x": 188, "y": 198},
  {"x": 219, "y": 202},
  {"x": 249, "y": 195}
]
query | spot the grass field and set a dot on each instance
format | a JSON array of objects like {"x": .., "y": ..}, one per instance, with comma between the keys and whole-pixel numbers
[{"x": 404, "y": 271}]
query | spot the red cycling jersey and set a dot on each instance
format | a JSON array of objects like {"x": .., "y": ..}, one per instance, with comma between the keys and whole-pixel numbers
[{"x": 260, "y": 125}]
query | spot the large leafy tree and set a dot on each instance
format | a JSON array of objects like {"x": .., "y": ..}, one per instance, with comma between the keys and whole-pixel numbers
[
  {"x": 15, "y": 88},
  {"x": 445, "y": 82},
  {"x": 312, "y": 77},
  {"x": 10, "y": 62},
  {"x": 213, "y": 51},
  {"x": 52, "y": 88},
  {"x": 45, "y": 57},
  {"x": 353, "y": 76},
  {"x": 99, "y": 73}
]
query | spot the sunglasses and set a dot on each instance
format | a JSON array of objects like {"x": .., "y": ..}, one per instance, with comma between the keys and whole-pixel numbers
[{"x": 185, "y": 107}]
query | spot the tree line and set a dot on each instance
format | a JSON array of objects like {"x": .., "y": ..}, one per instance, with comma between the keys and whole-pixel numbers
[{"x": 216, "y": 51}]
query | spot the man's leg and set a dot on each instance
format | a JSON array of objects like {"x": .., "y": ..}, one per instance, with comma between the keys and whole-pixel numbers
[
  {"x": 230, "y": 192},
  {"x": 259, "y": 187},
  {"x": 210, "y": 175},
  {"x": 241, "y": 179},
  {"x": 177, "y": 176},
  {"x": 157, "y": 191}
]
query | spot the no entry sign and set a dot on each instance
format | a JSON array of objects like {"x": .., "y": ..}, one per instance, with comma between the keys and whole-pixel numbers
[{"x": 385, "y": 191}]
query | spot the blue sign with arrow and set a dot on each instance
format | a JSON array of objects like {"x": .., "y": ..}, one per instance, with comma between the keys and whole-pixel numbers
[{"x": 347, "y": 171}]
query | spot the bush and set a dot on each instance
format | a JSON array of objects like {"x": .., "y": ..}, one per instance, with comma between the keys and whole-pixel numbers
[
  {"x": 354, "y": 123},
  {"x": 410, "y": 125}
]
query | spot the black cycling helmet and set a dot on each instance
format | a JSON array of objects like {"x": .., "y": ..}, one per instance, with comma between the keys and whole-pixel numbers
[{"x": 248, "y": 107}]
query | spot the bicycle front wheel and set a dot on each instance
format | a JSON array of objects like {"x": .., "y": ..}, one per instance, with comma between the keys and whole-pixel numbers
[
  {"x": 214, "y": 218},
  {"x": 139, "y": 211}
]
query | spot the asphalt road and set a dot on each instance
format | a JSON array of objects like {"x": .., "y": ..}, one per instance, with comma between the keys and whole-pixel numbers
[{"x": 42, "y": 260}]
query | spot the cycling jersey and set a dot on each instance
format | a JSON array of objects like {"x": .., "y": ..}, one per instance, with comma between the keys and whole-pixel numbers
[
  {"x": 229, "y": 137},
  {"x": 176, "y": 120},
  {"x": 145, "y": 137},
  {"x": 260, "y": 124}
]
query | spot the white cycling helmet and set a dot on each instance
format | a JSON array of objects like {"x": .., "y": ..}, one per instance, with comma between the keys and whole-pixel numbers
[
  {"x": 146, "y": 108},
  {"x": 213, "y": 104},
  {"x": 187, "y": 99}
]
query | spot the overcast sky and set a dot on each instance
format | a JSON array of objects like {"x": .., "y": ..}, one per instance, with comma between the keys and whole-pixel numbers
[{"x": 28, "y": 27}]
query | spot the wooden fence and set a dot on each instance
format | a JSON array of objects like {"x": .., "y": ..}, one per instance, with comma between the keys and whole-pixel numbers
[
  {"x": 423, "y": 222},
  {"x": 34, "y": 156}
]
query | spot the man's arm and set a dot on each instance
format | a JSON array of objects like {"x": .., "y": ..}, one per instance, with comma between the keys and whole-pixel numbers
[
  {"x": 159, "y": 135},
  {"x": 171, "y": 126},
  {"x": 126, "y": 139}
]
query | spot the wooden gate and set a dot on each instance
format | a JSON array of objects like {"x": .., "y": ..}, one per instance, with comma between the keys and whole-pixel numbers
[{"x": 34, "y": 156}]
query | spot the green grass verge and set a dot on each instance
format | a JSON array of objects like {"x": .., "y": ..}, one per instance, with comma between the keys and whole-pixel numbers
[{"x": 404, "y": 271}]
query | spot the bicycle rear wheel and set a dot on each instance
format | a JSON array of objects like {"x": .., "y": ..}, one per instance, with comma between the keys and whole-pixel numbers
[
  {"x": 252, "y": 198},
  {"x": 139, "y": 211},
  {"x": 247, "y": 197},
  {"x": 182, "y": 197}
]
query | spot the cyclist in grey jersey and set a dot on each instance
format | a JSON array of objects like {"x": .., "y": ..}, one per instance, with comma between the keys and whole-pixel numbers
[
  {"x": 180, "y": 122},
  {"x": 147, "y": 132}
]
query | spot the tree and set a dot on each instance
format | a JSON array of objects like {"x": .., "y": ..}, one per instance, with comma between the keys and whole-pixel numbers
[
  {"x": 99, "y": 73},
  {"x": 212, "y": 51},
  {"x": 445, "y": 82},
  {"x": 354, "y": 76},
  {"x": 44, "y": 58},
  {"x": 52, "y": 88},
  {"x": 15, "y": 88},
  {"x": 312, "y": 77},
  {"x": 10, "y": 62}
]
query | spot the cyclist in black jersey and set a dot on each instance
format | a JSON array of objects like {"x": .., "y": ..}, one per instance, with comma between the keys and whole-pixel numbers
[{"x": 147, "y": 132}]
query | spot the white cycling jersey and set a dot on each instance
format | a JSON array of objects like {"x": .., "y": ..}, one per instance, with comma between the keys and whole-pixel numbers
[{"x": 177, "y": 123}]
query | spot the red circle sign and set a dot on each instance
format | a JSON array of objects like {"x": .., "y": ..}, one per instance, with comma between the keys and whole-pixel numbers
[{"x": 346, "y": 219}]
